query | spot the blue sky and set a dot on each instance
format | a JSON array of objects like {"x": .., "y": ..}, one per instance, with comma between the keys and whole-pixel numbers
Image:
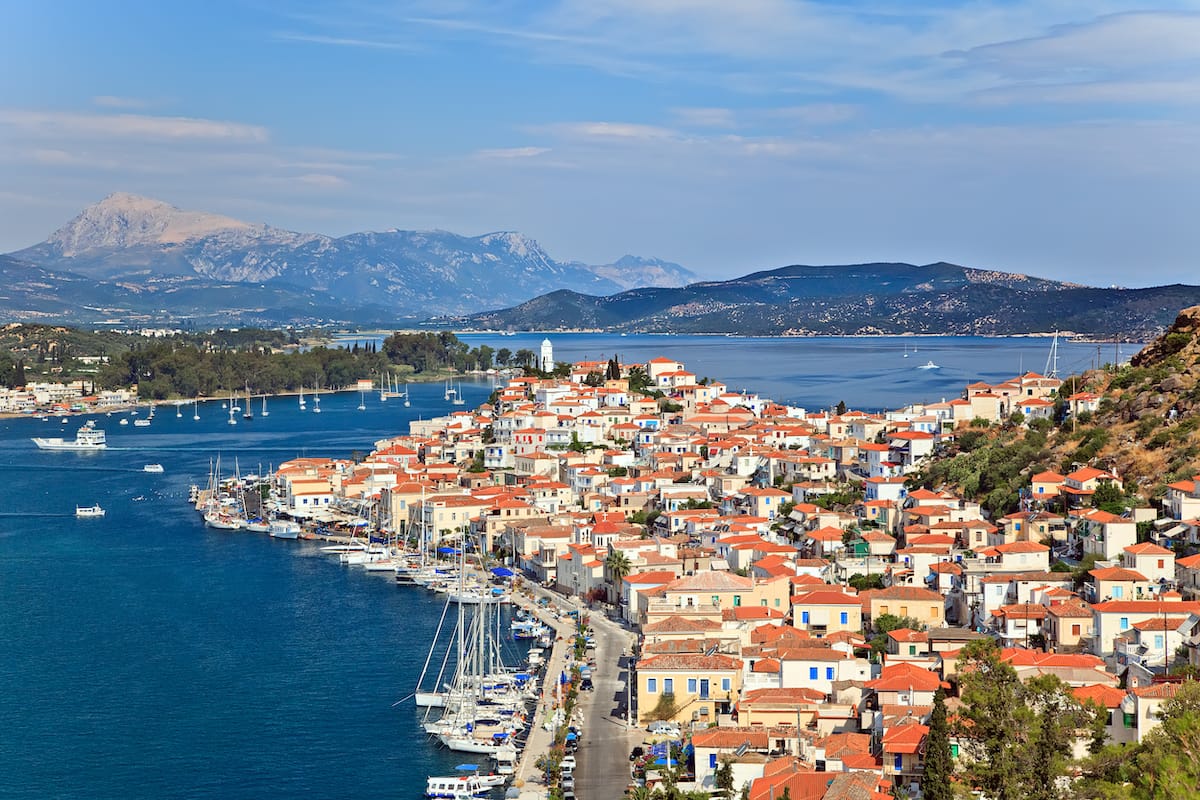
[{"x": 1051, "y": 137}]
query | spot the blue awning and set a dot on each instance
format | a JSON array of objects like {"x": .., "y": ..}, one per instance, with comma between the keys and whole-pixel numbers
[
  {"x": 467, "y": 767},
  {"x": 503, "y": 572},
  {"x": 448, "y": 550}
]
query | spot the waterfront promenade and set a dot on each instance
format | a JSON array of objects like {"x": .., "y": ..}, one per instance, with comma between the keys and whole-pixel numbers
[{"x": 606, "y": 740}]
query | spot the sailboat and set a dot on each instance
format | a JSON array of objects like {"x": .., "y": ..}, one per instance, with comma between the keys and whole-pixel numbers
[
  {"x": 906, "y": 349},
  {"x": 458, "y": 398},
  {"x": 406, "y": 404},
  {"x": 179, "y": 408},
  {"x": 301, "y": 398},
  {"x": 232, "y": 410},
  {"x": 195, "y": 411},
  {"x": 362, "y": 401},
  {"x": 249, "y": 413},
  {"x": 316, "y": 403},
  {"x": 264, "y": 408}
]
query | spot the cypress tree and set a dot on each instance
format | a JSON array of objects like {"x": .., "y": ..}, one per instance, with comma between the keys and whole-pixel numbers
[{"x": 935, "y": 783}]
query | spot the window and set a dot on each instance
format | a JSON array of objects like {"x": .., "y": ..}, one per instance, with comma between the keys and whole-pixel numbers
[
  {"x": 1108, "y": 722},
  {"x": 954, "y": 751},
  {"x": 712, "y": 760},
  {"x": 777, "y": 602},
  {"x": 844, "y": 617},
  {"x": 1128, "y": 719},
  {"x": 1158, "y": 641},
  {"x": 762, "y": 602},
  {"x": 804, "y": 617},
  {"x": 651, "y": 685},
  {"x": 829, "y": 673},
  {"x": 1124, "y": 623},
  {"x": 724, "y": 684},
  {"x": 912, "y": 649},
  {"x": 1118, "y": 592},
  {"x": 1160, "y": 563},
  {"x": 904, "y": 611},
  {"x": 812, "y": 673},
  {"x": 691, "y": 685},
  {"x": 668, "y": 686},
  {"x": 737, "y": 600},
  {"x": 883, "y": 610},
  {"x": 716, "y": 599},
  {"x": 1075, "y": 630},
  {"x": 899, "y": 762}
]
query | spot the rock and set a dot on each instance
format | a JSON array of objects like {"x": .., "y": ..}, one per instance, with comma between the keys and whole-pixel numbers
[{"x": 1172, "y": 383}]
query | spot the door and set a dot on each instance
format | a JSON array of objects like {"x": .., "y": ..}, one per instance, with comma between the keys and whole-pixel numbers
[{"x": 704, "y": 688}]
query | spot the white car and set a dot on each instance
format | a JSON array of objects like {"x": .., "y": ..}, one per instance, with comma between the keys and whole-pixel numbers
[
  {"x": 568, "y": 764},
  {"x": 661, "y": 728}
]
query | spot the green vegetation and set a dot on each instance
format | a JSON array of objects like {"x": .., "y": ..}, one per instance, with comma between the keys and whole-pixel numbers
[
  {"x": 990, "y": 465},
  {"x": 1017, "y": 737},
  {"x": 230, "y": 361},
  {"x": 935, "y": 783},
  {"x": 1166, "y": 765}
]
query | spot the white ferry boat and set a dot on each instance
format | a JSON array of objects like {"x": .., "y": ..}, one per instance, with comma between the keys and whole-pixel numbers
[
  {"x": 86, "y": 512},
  {"x": 458, "y": 787},
  {"x": 88, "y": 437},
  {"x": 152, "y": 468}
]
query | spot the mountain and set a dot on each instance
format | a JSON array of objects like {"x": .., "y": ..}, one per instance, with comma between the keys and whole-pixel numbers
[
  {"x": 196, "y": 264},
  {"x": 858, "y": 299},
  {"x": 630, "y": 272}
]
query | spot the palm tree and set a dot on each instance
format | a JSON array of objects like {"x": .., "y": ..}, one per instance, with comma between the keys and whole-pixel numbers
[{"x": 617, "y": 566}]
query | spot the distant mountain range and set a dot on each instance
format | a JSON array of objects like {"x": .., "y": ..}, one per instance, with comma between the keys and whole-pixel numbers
[
  {"x": 134, "y": 259},
  {"x": 859, "y": 299}
]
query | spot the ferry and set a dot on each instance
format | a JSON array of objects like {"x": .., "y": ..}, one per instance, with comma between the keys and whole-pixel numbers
[
  {"x": 284, "y": 529},
  {"x": 458, "y": 787},
  {"x": 89, "y": 512},
  {"x": 87, "y": 438}
]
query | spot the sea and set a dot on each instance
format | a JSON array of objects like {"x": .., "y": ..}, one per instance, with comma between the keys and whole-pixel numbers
[{"x": 143, "y": 655}]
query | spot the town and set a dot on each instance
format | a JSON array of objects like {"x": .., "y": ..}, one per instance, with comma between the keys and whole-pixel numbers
[{"x": 801, "y": 614}]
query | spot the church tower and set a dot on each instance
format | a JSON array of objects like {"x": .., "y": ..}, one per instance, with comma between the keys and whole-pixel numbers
[{"x": 547, "y": 359}]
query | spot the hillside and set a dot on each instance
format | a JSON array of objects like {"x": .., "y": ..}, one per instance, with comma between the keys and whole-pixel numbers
[
  {"x": 201, "y": 265},
  {"x": 1146, "y": 430},
  {"x": 878, "y": 298}
]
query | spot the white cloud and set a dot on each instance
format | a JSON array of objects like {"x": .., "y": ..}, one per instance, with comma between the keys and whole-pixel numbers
[
  {"x": 322, "y": 181},
  {"x": 112, "y": 101},
  {"x": 344, "y": 41},
  {"x": 623, "y": 131},
  {"x": 705, "y": 117},
  {"x": 508, "y": 153},
  {"x": 60, "y": 124}
]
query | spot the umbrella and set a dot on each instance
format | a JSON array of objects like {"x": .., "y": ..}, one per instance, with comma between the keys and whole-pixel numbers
[
  {"x": 448, "y": 550},
  {"x": 503, "y": 572},
  {"x": 562, "y": 677}
]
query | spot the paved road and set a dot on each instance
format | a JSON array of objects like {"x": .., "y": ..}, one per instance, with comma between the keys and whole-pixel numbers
[{"x": 603, "y": 757}]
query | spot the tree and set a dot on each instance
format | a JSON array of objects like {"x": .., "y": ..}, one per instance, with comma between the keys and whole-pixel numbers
[
  {"x": 992, "y": 721},
  {"x": 18, "y": 376},
  {"x": 841, "y": 407},
  {"x": 723, "y": 778},
  {"x": 935, "y": 783},
  {"x": 639, "y": 381},
  {"x": 1109, "y": 497},
  {"x": 1019, "y": 736},
  {"x": 617, "y": 565}
]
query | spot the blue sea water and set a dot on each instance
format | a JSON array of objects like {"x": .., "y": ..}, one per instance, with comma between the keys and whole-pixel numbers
[
  {"x": 145, "y": 656},
  {"x": 868, "y": 373}
]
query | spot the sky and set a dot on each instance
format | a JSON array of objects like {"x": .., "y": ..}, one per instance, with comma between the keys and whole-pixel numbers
[{"x": 1049, "y": 137}]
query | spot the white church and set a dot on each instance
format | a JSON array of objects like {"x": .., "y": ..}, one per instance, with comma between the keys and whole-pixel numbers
[{"x": 546, "y": 360}]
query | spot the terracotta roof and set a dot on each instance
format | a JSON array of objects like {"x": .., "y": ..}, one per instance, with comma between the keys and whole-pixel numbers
[
  {"x": 1106, "y": 696},
  {"x": 905, "y": 675},
  {"x": 690, "y": 662}
]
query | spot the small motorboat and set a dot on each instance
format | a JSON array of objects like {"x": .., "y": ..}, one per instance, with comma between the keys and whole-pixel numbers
[{"x": 89, "y": 512}]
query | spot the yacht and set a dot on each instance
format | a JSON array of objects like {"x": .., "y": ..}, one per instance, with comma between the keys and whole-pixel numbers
[
  {"x": 152, "y": 468},
  {"x": 89, "y": 512}
]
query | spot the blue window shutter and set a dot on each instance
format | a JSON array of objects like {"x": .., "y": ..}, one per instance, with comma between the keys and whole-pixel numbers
[{"x": 812, "y": 673}]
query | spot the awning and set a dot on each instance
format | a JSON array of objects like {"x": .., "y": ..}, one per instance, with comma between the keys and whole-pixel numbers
[{"x": 503, "y": 572}]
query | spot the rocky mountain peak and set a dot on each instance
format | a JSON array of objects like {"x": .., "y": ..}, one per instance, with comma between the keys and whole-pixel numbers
[{"x": 127, "y": 220}]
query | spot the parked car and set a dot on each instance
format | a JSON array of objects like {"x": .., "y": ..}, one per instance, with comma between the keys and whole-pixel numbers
[
  {"x": 567, "y": 765},
  {"x": 660, "y": 728},
  {"x": 586, "y": 684},
  {"x": 637, "y": 753}
]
